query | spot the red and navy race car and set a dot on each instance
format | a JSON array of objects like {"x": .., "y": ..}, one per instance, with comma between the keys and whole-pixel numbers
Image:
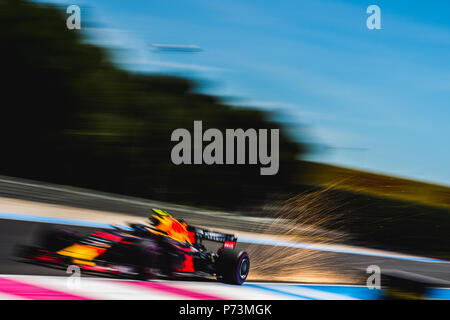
[{"x": 165, "y": 248}]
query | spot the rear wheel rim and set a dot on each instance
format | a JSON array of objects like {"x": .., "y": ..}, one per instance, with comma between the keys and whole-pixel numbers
[{"x": 244, "y": 268}]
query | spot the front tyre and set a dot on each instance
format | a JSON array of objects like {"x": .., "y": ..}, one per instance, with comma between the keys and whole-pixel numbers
[
  {"x": 233, "y": 266},
  {"x": 147, "y": 259},
  {"x": 54, "y": 239}
]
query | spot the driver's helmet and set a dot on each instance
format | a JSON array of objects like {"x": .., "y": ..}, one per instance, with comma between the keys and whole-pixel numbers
[
  {"x": 176, "y": 229},
  {"x": 156, "y": 216}
]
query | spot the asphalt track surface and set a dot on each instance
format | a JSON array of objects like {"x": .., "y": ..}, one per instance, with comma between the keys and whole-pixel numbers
[{"x": 30, "y": 281}]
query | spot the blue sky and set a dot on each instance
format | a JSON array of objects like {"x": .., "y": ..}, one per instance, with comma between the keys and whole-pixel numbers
[{"x": 378, "y": 98}]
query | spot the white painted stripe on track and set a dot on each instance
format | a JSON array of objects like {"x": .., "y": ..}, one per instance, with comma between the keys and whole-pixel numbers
[
  {"x": 311, "y": 293},
  {"x": 340, "y": 249},
  {"x": 231, "y": 292},
  {"x": 97, "y": 288},
  {"x": 4, "y": 296},
  {"x": 113, "y": 289}
]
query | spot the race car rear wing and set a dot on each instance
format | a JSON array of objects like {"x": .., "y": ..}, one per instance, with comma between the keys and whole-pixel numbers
[
  {"x": 214, "y": 236},
  {"x": 229, "y": 240}
]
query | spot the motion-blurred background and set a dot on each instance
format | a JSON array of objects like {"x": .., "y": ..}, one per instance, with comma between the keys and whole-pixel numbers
[{"x": 94, "y": 108}]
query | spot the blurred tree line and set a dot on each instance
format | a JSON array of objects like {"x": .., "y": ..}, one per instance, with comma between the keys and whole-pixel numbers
[{"x": 70, "y": 116}]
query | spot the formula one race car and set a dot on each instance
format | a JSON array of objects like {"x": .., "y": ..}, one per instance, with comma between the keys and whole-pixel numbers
[{"x": 166, "y": 248}]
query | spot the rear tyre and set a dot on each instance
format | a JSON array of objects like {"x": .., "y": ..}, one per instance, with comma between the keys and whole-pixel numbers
[{"x": 233, "y": 266}]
